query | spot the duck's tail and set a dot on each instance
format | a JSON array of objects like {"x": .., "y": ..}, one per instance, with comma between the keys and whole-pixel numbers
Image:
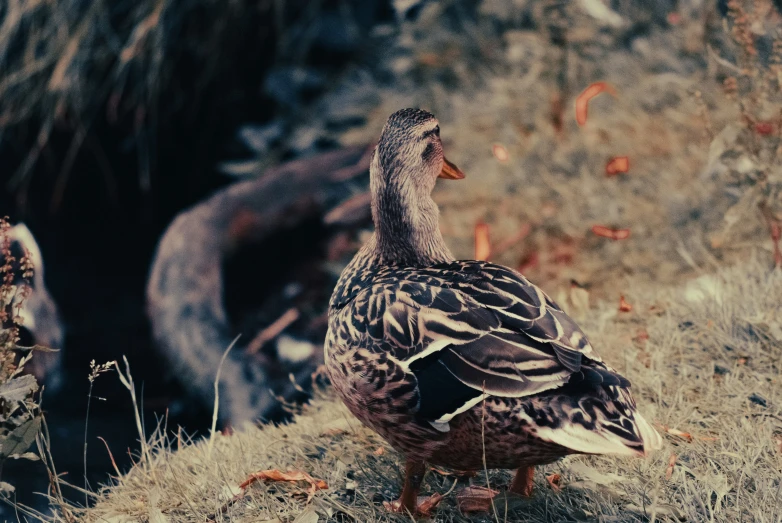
[{"x": 599, "y": 420}]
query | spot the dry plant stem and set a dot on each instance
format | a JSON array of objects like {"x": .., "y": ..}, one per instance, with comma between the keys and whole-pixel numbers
[
  {"x": 127, "y": 381},
  {"x": 43, "y": 440},
  {"x": 217, "y": 395},
  {"x": 272, "y": 331},
  {"x": 86, "y": 427},
  {"x": 522, "y": 482},
  {"x": 483, "y": 450},
  {"x": 95, "y": 371}
]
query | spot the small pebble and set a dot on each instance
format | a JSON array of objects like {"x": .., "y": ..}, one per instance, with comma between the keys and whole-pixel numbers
[{"x": 757, "y": 399}]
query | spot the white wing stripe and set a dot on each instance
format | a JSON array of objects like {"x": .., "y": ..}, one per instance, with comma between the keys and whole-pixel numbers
[{"x": 467, "y": 406}]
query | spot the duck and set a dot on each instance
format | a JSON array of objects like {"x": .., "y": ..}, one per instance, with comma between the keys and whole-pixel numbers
[{"x": 462, "y": 364}]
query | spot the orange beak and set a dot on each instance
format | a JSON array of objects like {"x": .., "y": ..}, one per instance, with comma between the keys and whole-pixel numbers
[{"x": 450, "y": 171}]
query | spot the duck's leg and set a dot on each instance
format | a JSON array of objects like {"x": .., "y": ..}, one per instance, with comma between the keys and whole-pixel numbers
[
  {"x": 414, "y": 475},
  {"x": 522, "y": 482}
]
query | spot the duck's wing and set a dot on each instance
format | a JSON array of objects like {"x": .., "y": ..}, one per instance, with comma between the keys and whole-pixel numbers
[
  {"x": 470, "y": 329},
  {"x": 466, "y": 331}
]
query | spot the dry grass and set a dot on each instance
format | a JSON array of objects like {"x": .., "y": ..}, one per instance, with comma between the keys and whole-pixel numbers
[
  {"x": 498, "y": 87},
  {"x": 701, "y": 345},
  {"x": 74, "y": 73},
  {"x": 710, "y": 358}
]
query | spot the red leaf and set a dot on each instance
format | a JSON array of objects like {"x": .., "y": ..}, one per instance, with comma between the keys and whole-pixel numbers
[
  {"x": 671, "y": 464},
  {"x": 429, "y": 504},
  {"x": 623, "y": 305},
  {"x": 607, "y": 232},
  {"x": 582, "y": 102},
  {"x": 529, "y": 262},
  {"x": 424, "y": 508},
  {"x": 617, "y": 165},
  {"x": 555, "y": 482},
  {"x": 482, "y": 243},
  {"x": 676, "y": 432},
  {"x": 290, "y": 476},
  {"x": 642, "y": 335},
  {"x": 764, "y": 128},
  {"x": 475, "y": 499}
]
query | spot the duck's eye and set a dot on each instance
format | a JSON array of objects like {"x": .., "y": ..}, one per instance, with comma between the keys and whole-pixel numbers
[
  {"x": 428, "y": 152},
  {"x": 431, "y": 132}
]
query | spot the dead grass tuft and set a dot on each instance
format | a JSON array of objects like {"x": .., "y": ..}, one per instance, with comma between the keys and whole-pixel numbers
[
  {"x": 705, "y": 373},
  {"x": 700, "y": 342}
]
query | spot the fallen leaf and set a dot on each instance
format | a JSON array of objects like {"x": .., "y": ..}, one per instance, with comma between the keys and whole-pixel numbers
[
  {"x": 475, "y": 499},
  {"x": 674, "y": 18},
  {"x": 290, "y": 476},
  {"x": 607, "y": 232},
  {"x": 482, "y": 243},
  {"x": 336, "y": 428},
  {"x": 671, "y": 464},
  {"x": 428, "y": 504},
  {"x": 379, "y": 451},
  {"x": 742, "y": 360},
  {"x": 500, "y": 152},
  {"x": 623, "y": 305},
  {"x": 529, "y": 262},
  {"x": 764, "y": 128},
  {"x": 582, "y": 102},
  {"x": 617, "y": 165},
  {"x": 424, "y": 506},
  {"x": 641, "y": 335},
  {"x": 555, "y": 482},
  {"x": 676, "y": 432}
]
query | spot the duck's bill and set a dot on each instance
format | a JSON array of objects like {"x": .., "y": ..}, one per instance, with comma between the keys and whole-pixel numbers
[{"x": 450, "y": 171}]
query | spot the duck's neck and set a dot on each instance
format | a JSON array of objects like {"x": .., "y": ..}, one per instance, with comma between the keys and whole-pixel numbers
[{"x": 407, "y": 230}]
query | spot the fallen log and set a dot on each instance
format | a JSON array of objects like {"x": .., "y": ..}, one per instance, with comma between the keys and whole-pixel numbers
[{"x": 186, "y": 287}]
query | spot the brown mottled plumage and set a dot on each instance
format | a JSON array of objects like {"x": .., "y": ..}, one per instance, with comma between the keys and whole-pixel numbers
[{"x": 426, "y": 350}]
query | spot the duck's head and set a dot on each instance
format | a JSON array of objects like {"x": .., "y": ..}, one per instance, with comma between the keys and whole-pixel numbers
[
  {"x": 410, "y": 152},
  {"x": 407, "y": 162}
]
